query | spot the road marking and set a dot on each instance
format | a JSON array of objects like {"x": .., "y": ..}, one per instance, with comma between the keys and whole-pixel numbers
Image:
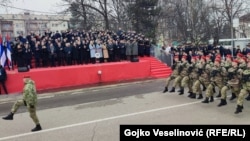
[{"x": 98, "y": 120}]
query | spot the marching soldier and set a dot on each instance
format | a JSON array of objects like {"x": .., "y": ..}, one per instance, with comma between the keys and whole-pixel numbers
[
  {"x": 216, "y": 80},
  {"x": 201, "y": 73},
  {"x": 245, "y": 88},
  {"x": 189, "y": 77},
  {"x": 232, "y": 83},
  {"x": 174, "y": 74},
  {"x": 29, "y": 100},
  {"x": 182, "y": 70}
]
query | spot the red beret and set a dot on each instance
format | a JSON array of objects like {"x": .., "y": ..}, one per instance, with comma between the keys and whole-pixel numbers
[
  {"x": 217, "y": 60},
  {"x": 240, "y": 55},
  {"x": 236, "y": 61}
]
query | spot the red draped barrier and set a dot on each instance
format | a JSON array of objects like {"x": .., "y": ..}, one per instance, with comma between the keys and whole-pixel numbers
[{"x": 58, "y": 77}]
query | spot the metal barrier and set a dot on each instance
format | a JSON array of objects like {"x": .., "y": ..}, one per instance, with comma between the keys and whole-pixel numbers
[{"x": 157, "y": 52}]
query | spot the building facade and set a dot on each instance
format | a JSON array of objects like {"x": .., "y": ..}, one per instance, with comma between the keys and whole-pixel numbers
[{"x": 23, "y": 24}]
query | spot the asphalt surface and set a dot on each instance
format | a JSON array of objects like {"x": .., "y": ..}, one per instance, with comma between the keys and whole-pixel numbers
[{"x": 96, "y": 113}]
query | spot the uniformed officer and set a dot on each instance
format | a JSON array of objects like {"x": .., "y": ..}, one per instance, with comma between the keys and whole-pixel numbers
[
  {"x": 232, "y": 83},
  {"x": 30, "y": 100},
  {"x": 245, "y": 88},
  {"x": 174, "y": 74}
]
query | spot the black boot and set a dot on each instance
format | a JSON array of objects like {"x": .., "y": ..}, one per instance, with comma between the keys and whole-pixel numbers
[
  {"x": 238, "y": 109},
  {"x": 211, "y": 99},
  {"x": 214, "y": 90},
  {"x": 172, "y": 90},
  {"x": 233, "y": 96},
  {"x": 37, "y": 128},
  {"x": 193, "y": 96},
  {"x": 206, "y": 100},
  {"x": 165, "y": 90},
  {"x": 9, "y": 116},
  {"x": 219, "y": 95},
  {"x": 181, "y": 91},
  {"x": 222, "y": 102},
  {"x": 248, "y": 97},
  {"x": 204, "y": 88},
  {"x": 190, "y": 94},
  {"x": 200, "y": 96}
]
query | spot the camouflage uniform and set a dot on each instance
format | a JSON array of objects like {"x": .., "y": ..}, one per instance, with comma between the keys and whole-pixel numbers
[
  {"x": 199, "y": 70},
  {"x": 29, "y": 100},
  {"x": 233, "y": 83},
  {"x": 182, "y": 73},
  {"x": 174, "y": 74},
  {"x": 245, "y": 89},
  {"x": 186, "y": 80},
  {"x": 216, "y": 80}
]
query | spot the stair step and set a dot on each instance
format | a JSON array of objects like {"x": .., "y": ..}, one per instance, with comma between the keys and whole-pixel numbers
[
  {"x": 160, "y": 73},
  {"x": 161, "y": 69}
]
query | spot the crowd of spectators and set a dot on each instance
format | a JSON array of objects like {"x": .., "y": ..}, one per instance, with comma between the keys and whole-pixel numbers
[{"x": 77, "y": 48}]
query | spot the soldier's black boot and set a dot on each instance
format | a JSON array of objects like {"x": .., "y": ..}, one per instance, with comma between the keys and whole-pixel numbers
[
  {"x": 37, "y": 128},
  {"x": 233, "y": 96},
  {"x": 190, "y": 94},
  {"x": 222, "y": 102},
  {"x": 200, "y": 96},
  {"x": 9, "y": 116},
  {"x": 211, "y": 99},
  {"x": 204, "y": 88},
  {"x": 219, "y": 95},
  {"x": 206, "y": 100},
  {"x": 172, "y": 90},
  {"x": 248, "y": 97},
  {"x": 238, "y": 109},
  {"x": 214, "y": 90},
  {"x": 165, "y": 90},
  {"x": 181, "y": 91},
  {"x": 193, "y": 95}
]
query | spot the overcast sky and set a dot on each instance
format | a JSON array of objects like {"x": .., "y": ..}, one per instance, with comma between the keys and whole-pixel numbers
[{"x": 50, "y": 6}]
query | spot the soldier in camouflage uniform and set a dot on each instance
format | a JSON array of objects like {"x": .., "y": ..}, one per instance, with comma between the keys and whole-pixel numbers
[
  {"x": 174, "y": 74},
  {"x": 199, "y": 72},
  {"x": 233, "y": 83},
  {"x": 245, "y": 88},
  {"x": 225, "y": 65},
  {"x": 186, "y": 80},
  {"x": 182, "y": 73},
  {"x": 216, "y": 81},
  {"x": 30, "y": 100}
]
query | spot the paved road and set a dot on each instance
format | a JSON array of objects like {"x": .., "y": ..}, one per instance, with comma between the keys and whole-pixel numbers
[{"x": 95, "y": 114}]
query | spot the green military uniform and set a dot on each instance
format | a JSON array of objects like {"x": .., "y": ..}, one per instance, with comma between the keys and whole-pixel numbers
[
  {"x": 216, "y": 80},
  {"x": 199, "y": 70},
  {"x": 174, "y": 74},
  {"x": 30, "y": 100},
  {"x": 233, "y": 83},
  {"x": 244, "y": 91},
  {"x": 182, "y": 73},
  {"x": 186, "y": 80}
]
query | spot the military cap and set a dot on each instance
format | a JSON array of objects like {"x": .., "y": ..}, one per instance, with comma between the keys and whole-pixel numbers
[{"x": 240, "y": 55}]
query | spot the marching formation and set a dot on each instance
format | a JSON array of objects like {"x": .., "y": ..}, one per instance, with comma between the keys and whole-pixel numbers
[{"x": 203, "y": 74}]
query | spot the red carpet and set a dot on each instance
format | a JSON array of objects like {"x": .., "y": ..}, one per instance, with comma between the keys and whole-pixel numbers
[{"x": 157, "y": 68}]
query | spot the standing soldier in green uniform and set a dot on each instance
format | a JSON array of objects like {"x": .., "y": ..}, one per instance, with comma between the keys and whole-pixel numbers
[
  {"x": 216, "y": 80},
  {"x": 233, "y": 83},
  {"x": 182, "y": 73},
  {"x": 174, "y": 74},
  {"x": 29, "y": 100},
  {"x": 245, "y": 88}
]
